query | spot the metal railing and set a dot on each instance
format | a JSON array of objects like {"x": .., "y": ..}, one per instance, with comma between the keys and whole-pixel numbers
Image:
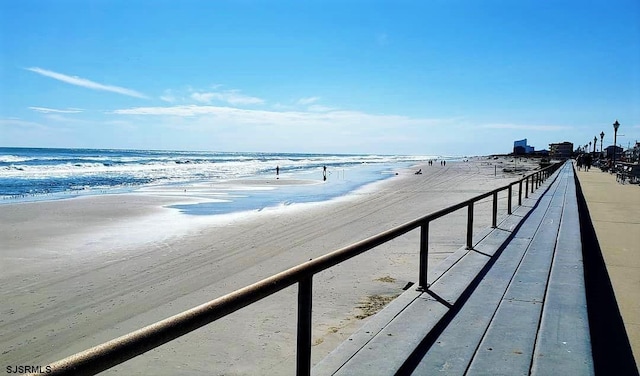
[{"x": 119, "y": 350}]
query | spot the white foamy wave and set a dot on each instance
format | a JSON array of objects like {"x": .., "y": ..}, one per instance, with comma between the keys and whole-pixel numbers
[
  {"x": 34, "y": 171},
  {"x": 13, "y": 159}
]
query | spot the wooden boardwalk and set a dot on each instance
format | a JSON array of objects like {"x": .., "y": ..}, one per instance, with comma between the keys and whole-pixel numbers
[{"x": 515, "y": 304}]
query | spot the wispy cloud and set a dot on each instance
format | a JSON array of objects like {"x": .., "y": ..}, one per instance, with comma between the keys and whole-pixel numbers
[
  {"x": 45, "y": 110},
  {"x": 266, "y": 129},
  {"x": 307, "y": 101},
  {"x": 64, "y": 119},
  {"x": 232, "y": 97},
  {"x": 549, "y": 128},
  {"x": 168, "y": 96},
  {"x": 286, "y": 118},
  {"x": 319, "y": 108},
  {"x": 83, "y": 82}
]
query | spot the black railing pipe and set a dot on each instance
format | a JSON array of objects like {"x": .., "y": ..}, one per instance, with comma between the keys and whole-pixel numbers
[
  {"x": 424, "y": 256},
  {"x": 303, "y": 355}
]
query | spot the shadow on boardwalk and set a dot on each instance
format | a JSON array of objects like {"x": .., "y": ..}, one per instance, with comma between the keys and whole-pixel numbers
[{"x": 609, "y": 341}]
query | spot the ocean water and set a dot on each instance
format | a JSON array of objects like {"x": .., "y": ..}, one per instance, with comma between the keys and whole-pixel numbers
[{"x": 31, "y": 174}]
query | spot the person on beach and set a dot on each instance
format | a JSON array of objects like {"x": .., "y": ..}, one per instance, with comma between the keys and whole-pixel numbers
[
  {"x": 324, "y": 173},
  {"x": 277, "y": 172}
]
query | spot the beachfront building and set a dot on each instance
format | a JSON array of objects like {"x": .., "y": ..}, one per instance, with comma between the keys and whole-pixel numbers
[
  {"x": 608, "y": 152},
  {"x": 520, "y": 147},
  {"x": 632, "y": 154},
  {"x": 562, "y": 150}
]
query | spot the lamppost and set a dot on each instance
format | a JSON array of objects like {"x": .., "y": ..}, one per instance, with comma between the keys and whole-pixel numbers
[
  {"x": 616, "y": 125},
  {"x": 595, "y": 141},
  {"x": 589, "y": 150},
  {"x": 601, "y": 137}
]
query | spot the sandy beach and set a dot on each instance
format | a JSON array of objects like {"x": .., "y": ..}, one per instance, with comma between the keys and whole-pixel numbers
[{"x": 75, "y": 273}]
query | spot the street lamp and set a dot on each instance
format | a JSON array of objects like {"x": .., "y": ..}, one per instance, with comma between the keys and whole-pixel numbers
[
  {"x": 595, "y": 141},
  {"x": 616, "y": 125},
  {"x": 601, "y": 137}
]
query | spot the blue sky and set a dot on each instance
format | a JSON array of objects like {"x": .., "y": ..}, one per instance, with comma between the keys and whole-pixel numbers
[{"x": 395, "y": 77}]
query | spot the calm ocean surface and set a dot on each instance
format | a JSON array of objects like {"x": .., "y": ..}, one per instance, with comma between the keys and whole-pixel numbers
[{"x": 31, "y": 174}]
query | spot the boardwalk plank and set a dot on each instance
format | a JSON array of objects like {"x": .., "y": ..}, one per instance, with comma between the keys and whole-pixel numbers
[
  {"x": 449, "y": 355},
  {"x": 563, "y": 345},
  {"x": 387, "y": 352}
]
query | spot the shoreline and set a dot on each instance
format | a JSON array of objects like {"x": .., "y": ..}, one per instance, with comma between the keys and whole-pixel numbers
[{"x": 76, "y": 280}]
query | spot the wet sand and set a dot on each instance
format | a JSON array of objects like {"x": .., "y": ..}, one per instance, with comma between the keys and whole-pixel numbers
[{"x": 75, "y": 273}]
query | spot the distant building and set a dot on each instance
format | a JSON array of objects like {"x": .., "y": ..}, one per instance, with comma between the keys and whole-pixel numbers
[
  {"x": 632, "y": 154},
  {"x": 608, "y": 152},
  {"x": 635, "y": 152},
  {"x": 562, "y": 150},
  {"x": 520, "y": 147}
]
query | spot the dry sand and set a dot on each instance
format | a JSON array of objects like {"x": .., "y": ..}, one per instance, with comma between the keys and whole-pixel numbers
[{"x": 75, "y": 273}]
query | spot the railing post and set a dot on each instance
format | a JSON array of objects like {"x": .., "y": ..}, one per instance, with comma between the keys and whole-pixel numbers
[
  {"x": 509, "y": 199},
  {"x": 494, "y": 218},
  {"x": 424, "y": 256},
  {"x": 532, "y": 184},
  {"x": 520, "y": 193},
  {"x": 526, "y": 188},
  {"x": 470, "y": 226},
  {"x": 303, "y": 353}
]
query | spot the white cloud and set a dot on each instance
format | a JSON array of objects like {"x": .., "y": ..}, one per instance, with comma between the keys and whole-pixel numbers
[
  {"x": 226, "y": 115},
  {"x": 74, "y": 80},
  {"x": 307, "y": 101},
  {"x": 168, "y": 96},
  {"x": 203, "y": 97},
  {"x": 232, "y": 97},
  {"x": 290, "y": 130},
  {"x": 63, "y": 119},
  {"x": 319, "y": 108},
  {"x": 45, "y": 110},
  {"x": 550, "y": 128}
]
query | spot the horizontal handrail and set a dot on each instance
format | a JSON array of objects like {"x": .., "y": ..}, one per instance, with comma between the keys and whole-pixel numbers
[{"x": 121, "y": 349}]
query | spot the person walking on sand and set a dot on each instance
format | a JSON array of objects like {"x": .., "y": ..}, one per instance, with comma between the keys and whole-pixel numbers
[
  {"x": 277, "y": 172},
  {"x": 324, "y": 173}
]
